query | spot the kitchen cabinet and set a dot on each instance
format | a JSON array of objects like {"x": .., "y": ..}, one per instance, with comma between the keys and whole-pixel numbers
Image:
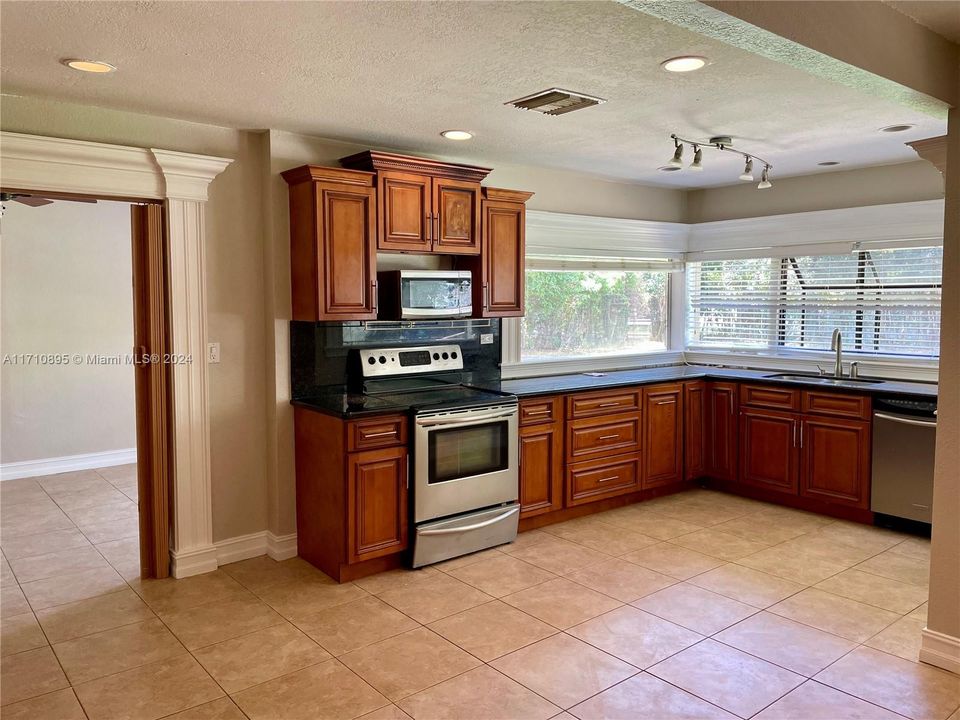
[
  {"x": 602, "y": 478},
  {"x": 663, "y": 435},
  {"x": 541, "y": 456},
  {"x": 768, "y": 449},
  {"x": 722, "y": 443},
  {"x": 694, "y": 429},
  {"x": 377, "y": 503},
  {"x": 332, "y": 244},
  {"x": 427, "y": 206},
  {"x": 498, "y": 273}
]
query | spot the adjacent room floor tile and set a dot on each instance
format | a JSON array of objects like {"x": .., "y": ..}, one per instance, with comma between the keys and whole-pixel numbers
[
  {"x": 902, "y": 638},
  {"x": 355, "y": 624},
  {"x": 59, "y": 705},
  {"x": 57, "y": 564},
  {"x": 71, "y": 587},
  {"x": 125, "y": 527},
  {"x": 620, "y": 579},
  {"x": 405, "y": 664},
  {"x": 12, "y": 601},
  {"x": 561, "y": 603},
  {"x": 585, "y": 672},
  {"x": 875, "y": 590},
  {"x": 727, "y": 677},
  {"x": 747, "y": 585},
  {"x": 492, "y": 630},
  {"x": 634, "y": 636},
  {"x": 260, "y": 656},
  {"x": 19, "y": 633},
  {"x": 43, "y": 543},
  {"x": 151, "y": 691},
  {"x": 800, "y": 648},
  {"x": 480, "y": 694},
  {"x": 646, "y": 696},
  {"x": 326, "y": 690},
  {"x": 813, "y": 700},
  {"x": 499, "y": 576},
  {"x": 89, "y": 616},
  {"x": 673, "y": 560},
  {"x": 913, "y": 689},
  {"x": 28, "y": 674},
  {"x": 434, "y": 598},
  {"x": 834, "y": 614},
  {"x": 693, "y": 607},
  {"x": 220, "y": 620},
  {"x": 112, "y": 651}
]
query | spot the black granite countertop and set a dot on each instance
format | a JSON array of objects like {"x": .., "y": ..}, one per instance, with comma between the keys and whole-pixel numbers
[
  {"x": 552, "y": 384},
  {"x": 336, "y": 401}
]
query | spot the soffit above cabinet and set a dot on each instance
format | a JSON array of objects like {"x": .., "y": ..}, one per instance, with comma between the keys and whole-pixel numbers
[{"x": 374, "y": 160}]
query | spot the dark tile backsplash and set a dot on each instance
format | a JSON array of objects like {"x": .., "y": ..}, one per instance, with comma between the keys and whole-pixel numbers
[{"x": 319, "y": 351}]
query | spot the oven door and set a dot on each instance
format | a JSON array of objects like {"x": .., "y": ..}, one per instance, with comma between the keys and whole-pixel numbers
[
  {"x": 429, "y": 294},
  {"x": 465, "y": 460}
]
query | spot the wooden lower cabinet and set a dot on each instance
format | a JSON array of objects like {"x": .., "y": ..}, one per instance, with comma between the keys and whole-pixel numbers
[
  {"x": 694, "y": 430},
  {"x": 722, "y": 441},
  {"x": 541, "y": 469},
  {"x": 593, "y": 480},
  {"x": 663, "y": 435},
  {"x": 377, "y": 503},
  {"x": 768, "y": 450},
  {"x": 835, "y": 460}
]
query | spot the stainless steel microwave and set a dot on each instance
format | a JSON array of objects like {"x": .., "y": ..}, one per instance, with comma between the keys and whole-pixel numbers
[{"x": 424, "y": 294}]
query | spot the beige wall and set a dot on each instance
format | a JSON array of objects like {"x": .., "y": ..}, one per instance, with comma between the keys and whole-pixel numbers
[
  {"x": 66, "y": 274},
  {"x": 234, "y": 284},
  {"x": 904, "y": 182}
]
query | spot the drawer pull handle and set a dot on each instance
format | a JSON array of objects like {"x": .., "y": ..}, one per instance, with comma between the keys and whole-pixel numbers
[
  {"x": 609, "y": 404},
  {"x": 665, "y": 402},
  {"x": 538, "y": 412},
  {"x": 380, "y": 434},
  {"x": 609, "y": 437},
  {"x": 608, "y": 479}
]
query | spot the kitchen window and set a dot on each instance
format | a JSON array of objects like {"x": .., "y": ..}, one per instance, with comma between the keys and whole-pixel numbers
[
  {"x": 580, "y": 313},
  {"x": 885, "y": 301}
]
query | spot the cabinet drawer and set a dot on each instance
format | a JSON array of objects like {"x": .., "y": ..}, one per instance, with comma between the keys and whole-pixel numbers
[
  {"x": 770, "y": 397},
  {"x": 603, "y": 403},
  {"x": 598, "y": 479},
  {"x": 837, "y": 404},
  {"x": 603, "y": 436},
  {"x": 376, "y": 432},
  {"x": 539, "y": 410}
]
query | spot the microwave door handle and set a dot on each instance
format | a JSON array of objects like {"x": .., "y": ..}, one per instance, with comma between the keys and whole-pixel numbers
[
  {"x": 476, "y": 526},
  {"x": 464, "y": 421}
]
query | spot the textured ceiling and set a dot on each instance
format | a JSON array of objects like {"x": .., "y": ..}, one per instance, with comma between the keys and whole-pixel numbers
[
  {"x": 396, "y": 74},
  {"x": 941, "y": 16}
]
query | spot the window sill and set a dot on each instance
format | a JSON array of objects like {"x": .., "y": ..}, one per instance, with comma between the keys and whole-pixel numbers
[{"x": 570, "y": 366}]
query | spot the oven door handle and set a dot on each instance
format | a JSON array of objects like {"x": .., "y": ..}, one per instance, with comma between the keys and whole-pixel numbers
[
  {"x": 471, "y": 420},
  {"x": 475, "y": 526}
]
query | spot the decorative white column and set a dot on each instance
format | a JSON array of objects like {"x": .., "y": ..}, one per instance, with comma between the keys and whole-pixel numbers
[{"x": 186, "y": 179}]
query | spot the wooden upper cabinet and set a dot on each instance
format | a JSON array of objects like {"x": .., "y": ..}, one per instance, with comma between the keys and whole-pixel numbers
[
  {"x": 332, "y": 244},
  {"x": 456, "y": 217},
  {"x": 663, "y": 435},
  {"x": 404, "y": 213}
]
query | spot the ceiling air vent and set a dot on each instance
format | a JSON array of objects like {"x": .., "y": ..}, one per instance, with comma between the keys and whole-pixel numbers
[{"x": 555, "y": 101}]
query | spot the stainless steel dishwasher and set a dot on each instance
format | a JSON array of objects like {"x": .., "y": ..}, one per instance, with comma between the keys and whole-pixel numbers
[{"x": 904, "y": 439}]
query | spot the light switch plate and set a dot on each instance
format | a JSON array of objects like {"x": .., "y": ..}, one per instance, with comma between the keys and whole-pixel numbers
[
  {"x": 486, "y": 338},
  {"x": 213, "y": 352}
]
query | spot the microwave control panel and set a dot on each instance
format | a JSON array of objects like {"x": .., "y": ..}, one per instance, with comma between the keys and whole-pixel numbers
[{"x": 411, "y": 360}]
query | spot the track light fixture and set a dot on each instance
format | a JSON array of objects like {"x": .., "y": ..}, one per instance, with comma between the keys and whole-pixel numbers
[{"x": 720, "y": 142}]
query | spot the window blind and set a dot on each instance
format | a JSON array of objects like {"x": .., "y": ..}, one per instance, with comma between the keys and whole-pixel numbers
[{"x": 885, "y": 301}]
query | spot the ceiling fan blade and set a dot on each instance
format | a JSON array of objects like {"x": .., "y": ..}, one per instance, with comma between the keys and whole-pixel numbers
[{"x": 33, "y": 201}]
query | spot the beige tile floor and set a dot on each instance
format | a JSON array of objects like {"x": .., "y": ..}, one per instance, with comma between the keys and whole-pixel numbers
[{"x": 698, "y": 605}]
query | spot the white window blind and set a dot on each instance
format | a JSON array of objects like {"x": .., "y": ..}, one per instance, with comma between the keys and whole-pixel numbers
[{"x": 885, "y": 301}]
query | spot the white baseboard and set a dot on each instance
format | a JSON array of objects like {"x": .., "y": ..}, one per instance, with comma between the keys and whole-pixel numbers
[
  {"x": 67, "y": 463},
  {"x": 941, "y": 650},
  {"x": 281, "y": 547},
  {"x": 193, "y": 562},
  {"x": 241, "y": 547}
]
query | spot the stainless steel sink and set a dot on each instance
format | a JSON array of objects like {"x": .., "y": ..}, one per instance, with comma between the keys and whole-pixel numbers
[{"x": 821, "y": 379}]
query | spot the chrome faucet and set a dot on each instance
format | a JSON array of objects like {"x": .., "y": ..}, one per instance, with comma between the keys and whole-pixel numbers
[{"x": 836, "y": 345}]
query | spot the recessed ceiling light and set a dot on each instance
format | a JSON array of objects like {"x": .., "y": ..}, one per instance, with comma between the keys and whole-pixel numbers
[
  {"x": 669, "y": 168},
  {"x": 828, "y": 163},
  {"x": 896, "y": 128},
  {"x": 90, "y": 66},
  {"x": 684, "y": 63},
  {"x": 457, "y": 134}
]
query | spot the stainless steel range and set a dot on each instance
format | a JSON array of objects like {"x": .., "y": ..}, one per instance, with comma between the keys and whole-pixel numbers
[{"x": 464, "y": 448}]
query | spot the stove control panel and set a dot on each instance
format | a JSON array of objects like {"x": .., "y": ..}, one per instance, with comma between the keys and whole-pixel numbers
[{"x": 410, "y": 360}]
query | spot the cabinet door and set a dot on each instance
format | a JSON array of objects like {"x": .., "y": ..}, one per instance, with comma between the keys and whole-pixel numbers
[
  {"x": 456, "y": 217},
  {"x": 768, "y": 450},
  {"x": 722, "y": 445},
  {"x": 503, "y": 259},
  {"x": 694, "y": 429},
  {"x": 404, "y": 213},
  {"x": 346, "y": 227},
  {"x": 663, "y": 435},
  {"x": 377, "y": 503},
  {"x": 835, "y": 460},
  {"x": 541, "y": 469}
]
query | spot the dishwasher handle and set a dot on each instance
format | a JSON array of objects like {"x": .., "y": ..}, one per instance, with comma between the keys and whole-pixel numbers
[{"x": 906, "y": 420}]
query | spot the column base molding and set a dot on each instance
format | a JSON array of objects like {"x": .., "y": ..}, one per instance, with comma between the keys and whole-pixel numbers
[{"x": 941, "y": 650}]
